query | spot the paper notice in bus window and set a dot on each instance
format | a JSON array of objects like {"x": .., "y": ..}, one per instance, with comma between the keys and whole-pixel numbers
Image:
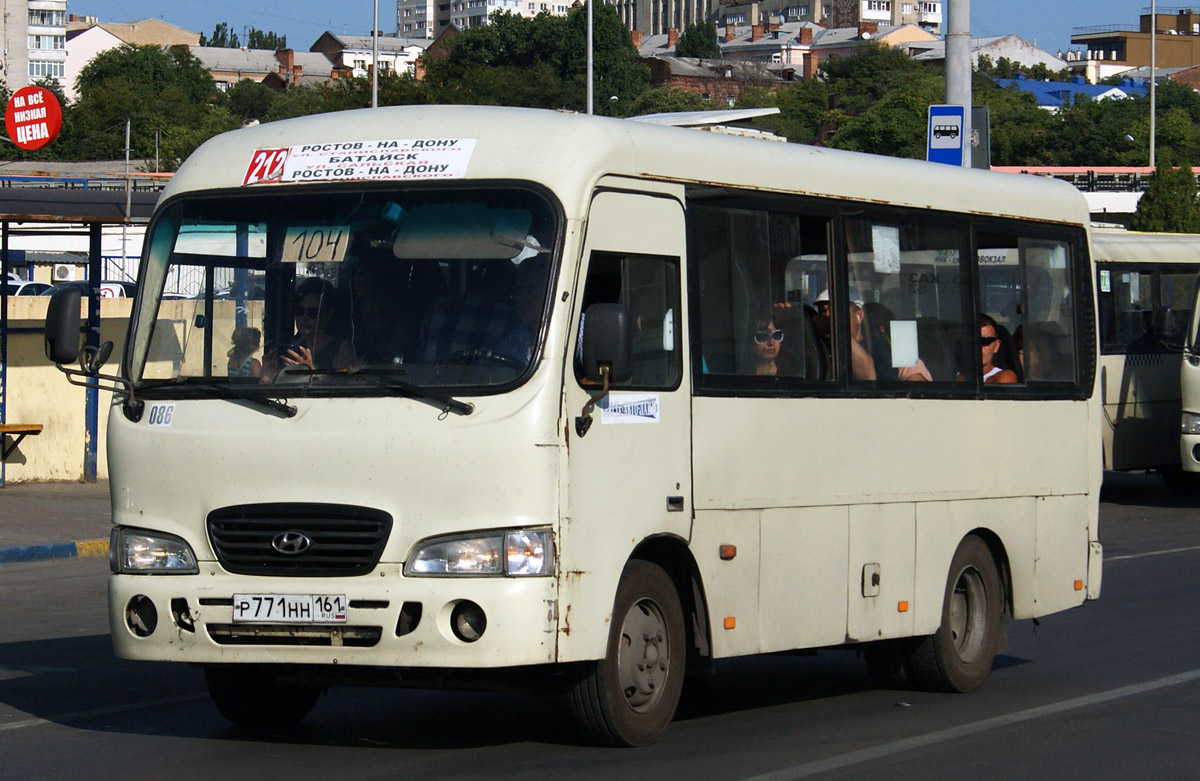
[
  {"x": 315, "y": 244},
  {"x": 1105, "y": 281},
  {"x": 885, "y": 240},
  {"x": 620, "y": 408}
]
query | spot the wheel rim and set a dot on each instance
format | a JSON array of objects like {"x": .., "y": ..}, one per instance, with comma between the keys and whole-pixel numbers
[
  {"x": 968, "y": 614},
  {"x": 644, "y": 658}
]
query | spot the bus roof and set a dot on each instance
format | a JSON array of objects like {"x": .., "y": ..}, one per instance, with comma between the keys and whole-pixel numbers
[
  {"x": 568, "y": 153},
  {"x": 1118, "y": 246}
]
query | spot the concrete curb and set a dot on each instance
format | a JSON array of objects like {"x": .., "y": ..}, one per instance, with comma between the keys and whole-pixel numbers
[{"x": 22, "y": 554}]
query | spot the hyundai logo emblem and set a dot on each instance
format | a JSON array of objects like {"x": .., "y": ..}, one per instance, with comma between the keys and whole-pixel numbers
[{"x": 291, "y": 543}]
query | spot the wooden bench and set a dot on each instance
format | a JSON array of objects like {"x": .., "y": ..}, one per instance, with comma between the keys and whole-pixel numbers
[{"x": 18, "y": 431}]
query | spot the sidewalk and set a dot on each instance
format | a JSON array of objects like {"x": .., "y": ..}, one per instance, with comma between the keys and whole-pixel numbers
[{"x": 40, "y": 521}]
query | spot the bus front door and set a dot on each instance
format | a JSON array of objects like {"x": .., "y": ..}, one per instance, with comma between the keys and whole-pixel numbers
[{"x": 629, "y": 475}]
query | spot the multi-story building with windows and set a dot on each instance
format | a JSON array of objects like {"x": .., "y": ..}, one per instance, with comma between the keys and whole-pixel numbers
[
  {"x": 926, "y": 14},
  {"x": 654, "y": 17},
  {"x": 1116, "y": 48},
  {"x": 35, "y": 41},
  {"x": 429, "y": 18}
]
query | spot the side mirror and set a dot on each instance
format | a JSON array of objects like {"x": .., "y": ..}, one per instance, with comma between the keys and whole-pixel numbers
[
  {"x": 62, "y": 326},
  {"x": 608, "y": 340}
]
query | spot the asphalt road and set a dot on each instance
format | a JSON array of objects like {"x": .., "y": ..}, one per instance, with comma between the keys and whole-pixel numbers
[{"x": 1108, "y": 690}]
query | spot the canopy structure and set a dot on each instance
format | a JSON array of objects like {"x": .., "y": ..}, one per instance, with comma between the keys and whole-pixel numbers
[{"x": 30, "y": 208}]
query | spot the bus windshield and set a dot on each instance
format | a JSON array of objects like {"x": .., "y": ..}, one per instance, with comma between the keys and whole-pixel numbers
[{"x": 430, "y": 287}]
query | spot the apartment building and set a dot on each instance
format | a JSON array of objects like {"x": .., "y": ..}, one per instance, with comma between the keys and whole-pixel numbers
[
  {"x": 35, "y": 41},
  {"x": 429, "y": 18},
  {"x": 926, "y": 14},
  {"x": 1115, "y": 48},
  {"x": 355, "y": 54}
]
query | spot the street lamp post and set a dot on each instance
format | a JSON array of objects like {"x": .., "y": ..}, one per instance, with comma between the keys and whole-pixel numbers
[
  {"x": 375, "y": 58},
  {"x": 589, "y": 57},
  {"x": 1153, "y": 73}
]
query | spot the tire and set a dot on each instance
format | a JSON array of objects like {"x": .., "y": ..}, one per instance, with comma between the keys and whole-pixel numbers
[
  {"x": 958, "y": 657},
  {"x": 629, "y": 697},
  {"x": 249, "y": 696}
]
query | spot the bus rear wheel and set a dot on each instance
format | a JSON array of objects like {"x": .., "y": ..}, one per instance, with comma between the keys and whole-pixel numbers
[
  {"x": 249, "y": 696},
  {"x": 628, "y": 698},
  {"x": 959, "y": 655}
]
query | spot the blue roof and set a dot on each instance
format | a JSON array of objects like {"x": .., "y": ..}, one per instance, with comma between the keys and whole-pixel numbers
[{"x": 1055, "y": 94}]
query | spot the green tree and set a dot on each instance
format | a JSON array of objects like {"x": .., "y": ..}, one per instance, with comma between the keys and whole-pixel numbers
[
  {"x": 699, "y": 40},
  {"x": 662, "y": 100},
  {"x": 895, "y": 125},
  {"x": 1170, "y": 203},
  {"x": 617, "y": 70},
  {"x": 874, "y": 71},
  {"x": 221, "y": 37},
  {"x": 156, "y": 89},
  {"x": 257, "y": 39},
  {"x": 249, "y": 99},
  {"x": 803, "y": 109}
]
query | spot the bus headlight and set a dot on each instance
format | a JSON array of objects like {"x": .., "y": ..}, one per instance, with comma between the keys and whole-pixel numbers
[
  {"x": 1190, "y": 423},
  {"x": 137, "y": 551},
  {"x": 516, "y": 553}
]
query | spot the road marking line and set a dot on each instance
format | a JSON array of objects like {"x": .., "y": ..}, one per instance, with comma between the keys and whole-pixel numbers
[
  {"x": 88, "y": 714},
  {"x": 941, "y": 736},
  {"x": 1151, "y": 553}
]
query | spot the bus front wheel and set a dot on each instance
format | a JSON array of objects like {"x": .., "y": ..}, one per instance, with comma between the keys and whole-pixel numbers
[
  {"x": 628, "y": 698},
  {"x": 249, "y": 696},
  {"x": 958, "y": 656}
]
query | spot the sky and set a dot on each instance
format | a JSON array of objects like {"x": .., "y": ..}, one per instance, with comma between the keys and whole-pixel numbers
[{"x": 1047, "y": 22}]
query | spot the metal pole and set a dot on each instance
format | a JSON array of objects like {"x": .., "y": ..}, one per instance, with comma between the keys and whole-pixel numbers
[
  {"x": 92, "y": 398},
  {"x": 1153, "y": 74},
  {"x": 3, "y": 335},
  {"x": 375, "y": 59},
  {"x": 589, "y": 58},
  {"x": 128, "y": 196},
  {"x": 958, "y": 66}
]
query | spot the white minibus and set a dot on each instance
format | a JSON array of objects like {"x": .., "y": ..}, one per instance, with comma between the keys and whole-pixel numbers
[
  {"x": 532, "y": 397},
  {"x": 1145, "y": 285}
]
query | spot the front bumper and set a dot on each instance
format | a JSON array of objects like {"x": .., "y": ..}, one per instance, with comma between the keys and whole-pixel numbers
[{"x": 391, "y": 620}]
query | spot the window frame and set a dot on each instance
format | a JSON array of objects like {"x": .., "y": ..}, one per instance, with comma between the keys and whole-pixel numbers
[{"x": 1085, "y": 336}]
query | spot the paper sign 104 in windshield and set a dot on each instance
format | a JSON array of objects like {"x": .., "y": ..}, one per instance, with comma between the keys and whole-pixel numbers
[
  {"x": 420, "y": 158},
  {"x": 315, "y": 244}
]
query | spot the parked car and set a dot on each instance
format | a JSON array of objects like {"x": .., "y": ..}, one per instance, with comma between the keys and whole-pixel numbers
[
  {"x": 108, "y": 288},
  {"x": 19, "y": 287}
]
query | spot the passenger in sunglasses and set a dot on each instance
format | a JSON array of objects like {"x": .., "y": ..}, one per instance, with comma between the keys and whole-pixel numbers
[
  {"x": 989, "y": 343},
  {"x": 318, "y": 343},
  {"x": 765, "y": 342}
]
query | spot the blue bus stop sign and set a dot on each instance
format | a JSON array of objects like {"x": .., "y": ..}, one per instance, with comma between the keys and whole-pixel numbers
[{"x": 945, "y": 135}]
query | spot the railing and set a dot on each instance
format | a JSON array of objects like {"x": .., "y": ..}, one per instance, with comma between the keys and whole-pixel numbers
[
  {"x": 1120, "y": 179},
  {"x": 1104, "y": 28}
]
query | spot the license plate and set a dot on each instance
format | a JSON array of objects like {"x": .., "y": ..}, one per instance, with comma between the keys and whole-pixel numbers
[{"x": 290, "y": 608}]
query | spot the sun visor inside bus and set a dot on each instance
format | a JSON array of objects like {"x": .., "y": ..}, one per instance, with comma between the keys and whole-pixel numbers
[{"x": 461, "y": 231}]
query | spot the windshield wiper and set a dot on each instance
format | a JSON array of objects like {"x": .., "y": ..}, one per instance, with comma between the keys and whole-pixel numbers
[
  {"x": 233, "y": 392},
  {"x": 386, "y": 378}
]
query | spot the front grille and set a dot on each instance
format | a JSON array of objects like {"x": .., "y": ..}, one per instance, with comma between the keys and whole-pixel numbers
[
  {"x": 308, "y": 634},
  {"x": 323, "y": 540}
]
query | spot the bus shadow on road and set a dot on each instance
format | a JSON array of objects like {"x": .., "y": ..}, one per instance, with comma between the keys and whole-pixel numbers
[{"x": 78, "y": 682}]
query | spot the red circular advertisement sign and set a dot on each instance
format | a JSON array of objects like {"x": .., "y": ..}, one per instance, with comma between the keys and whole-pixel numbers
[{"x": 33, "y": 117}]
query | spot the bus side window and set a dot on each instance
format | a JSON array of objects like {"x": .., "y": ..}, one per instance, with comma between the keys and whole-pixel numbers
[
  {"x": 759, "y": 273},
  {"x": 906, "y": 277},
  {"x": 649, "y": 286},
  {"x": 1027, "y": 286}
]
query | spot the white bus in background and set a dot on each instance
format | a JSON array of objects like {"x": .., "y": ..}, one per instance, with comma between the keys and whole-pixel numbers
[
  {"x": 571, "y": 421},
  {"x": 1145, "y": 284}
]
